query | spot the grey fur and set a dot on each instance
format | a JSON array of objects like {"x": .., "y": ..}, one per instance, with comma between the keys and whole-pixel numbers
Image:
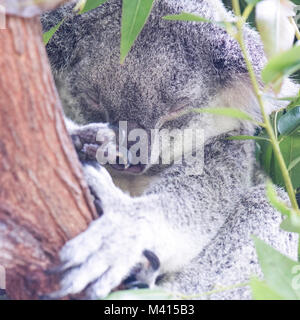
[{"x": 199, "y": 226}]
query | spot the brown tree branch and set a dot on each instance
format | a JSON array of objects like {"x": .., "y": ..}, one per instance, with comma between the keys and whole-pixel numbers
[{"x": 44, "y": 200}]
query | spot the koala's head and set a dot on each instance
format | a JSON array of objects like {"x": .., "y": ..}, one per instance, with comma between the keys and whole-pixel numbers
[{"x": 172, "y": 67}]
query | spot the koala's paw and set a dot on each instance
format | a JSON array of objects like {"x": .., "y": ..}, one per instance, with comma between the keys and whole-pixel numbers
[
  {"x": 114, "y": 247},
  {"x": 103, "y": 187},
  {"x": 89, "y": 138},
  {"x": 111, "y": 249}
]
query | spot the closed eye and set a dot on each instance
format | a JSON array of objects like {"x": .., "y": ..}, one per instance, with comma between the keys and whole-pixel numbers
[
  {"x": 180, "y": 104},
  {"x": 92, "y": 101}
]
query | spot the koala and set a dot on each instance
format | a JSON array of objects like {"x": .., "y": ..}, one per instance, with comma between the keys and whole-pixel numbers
[{"x": 185, "y": 226}]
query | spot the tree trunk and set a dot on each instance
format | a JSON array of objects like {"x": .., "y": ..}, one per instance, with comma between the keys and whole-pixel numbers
[{"x": 44, "y": 200}]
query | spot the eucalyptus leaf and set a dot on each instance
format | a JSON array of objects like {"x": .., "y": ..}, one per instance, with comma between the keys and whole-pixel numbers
[
  {"x": 278, "y": 270},
  {"x": 294, "y": 102},
  {"x": 49, "y": 34},
  {"x": 275, "y": 201},
  {"x": 184, "y": 16},
  {"x": 228, "y": 112},
  {"x": 135, "y": 13},
  {"x": 293, "y": 164},
  {"x": 291, "y": 223},
  {"x": 190, "y": 17},
  {"x": 290, "y": 149},
  {"x": 261, "y": 291},
  {"x": 247, "y": 138},
  {"x": 90, "y": 5},
  {"x": 290, "y": 121},
  {"x": 266, "y": 155},
  {"x": 283, "y": 64}
]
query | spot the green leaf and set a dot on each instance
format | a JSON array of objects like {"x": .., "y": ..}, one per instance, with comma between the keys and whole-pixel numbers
[
  {"x": 90, "y": 5},
  {"x": 291, "y": 223},
  {"x": 275, "y": 202},
  {"x": 283, "y": 64},
  {"x": 267, "y": 159},
  {"x": 184, "y": 16},
  {"x": 278, "y": 270},
  {"x": 49, "y": 34},
  {"x": 290, "y": 149},
  {"x": 261, "y": 291},
  {"x": 247, "y": 138},
  {"x": 190, "y": 17},
  {"x": 294, "y": 102},
  {"x": 142, "y": 294},
  {"x": 290, "y": 121},
  {"x": 228, "y": 112},
  {"x": 293, "y": 164},
  {"x": 134, "y": 16},
  {"x": 264, "y": 152}
]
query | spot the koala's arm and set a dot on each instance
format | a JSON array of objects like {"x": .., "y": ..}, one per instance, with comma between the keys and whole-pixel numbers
[{"x": 175, "y": 219}]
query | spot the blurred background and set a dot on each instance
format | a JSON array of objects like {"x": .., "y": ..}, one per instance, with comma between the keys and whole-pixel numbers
[
  {"x": 243, "y": 5},
  {"x": 227, "y": 3}
]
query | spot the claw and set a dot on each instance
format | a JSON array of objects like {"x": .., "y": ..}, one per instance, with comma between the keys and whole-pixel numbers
[
  {"x": 131, "y": 282},
  {"x": 76, "y": 142},
  {"x": 98, "y": 206},
  {"x": 153, "y": 259},
  {"x": 56, "y": 270},
  {"x": 57, "y": 294}
]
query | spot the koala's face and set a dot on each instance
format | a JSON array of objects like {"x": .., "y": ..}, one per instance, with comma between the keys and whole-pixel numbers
[
  {"x": 173, "y": 66},
  {"x": 169, "y": 69}
]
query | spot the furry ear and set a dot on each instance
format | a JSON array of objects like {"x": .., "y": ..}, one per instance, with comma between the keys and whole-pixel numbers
[{"x": 61, "y": 46}]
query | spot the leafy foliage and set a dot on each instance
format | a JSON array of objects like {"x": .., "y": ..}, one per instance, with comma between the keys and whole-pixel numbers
[
  {"x": 228, "y": 112},
  {"x": 287, "y": 125},
  {"x": 281, "y": 281},
  {"x": 49, "y": 34},
  {"x": 134, "y": 16},
  {"x": 90, "y": 5},
  {"x": 283, "y": 64},
  {"x": 261, "y": 291}
]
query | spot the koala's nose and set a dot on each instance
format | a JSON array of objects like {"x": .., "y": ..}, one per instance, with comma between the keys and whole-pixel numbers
[
  {"x": 122, "y": 130},
  {"x": 124, "y": 156}
]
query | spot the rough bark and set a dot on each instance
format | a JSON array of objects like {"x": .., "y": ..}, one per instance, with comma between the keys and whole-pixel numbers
[{"x": 44, "y": 200}]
